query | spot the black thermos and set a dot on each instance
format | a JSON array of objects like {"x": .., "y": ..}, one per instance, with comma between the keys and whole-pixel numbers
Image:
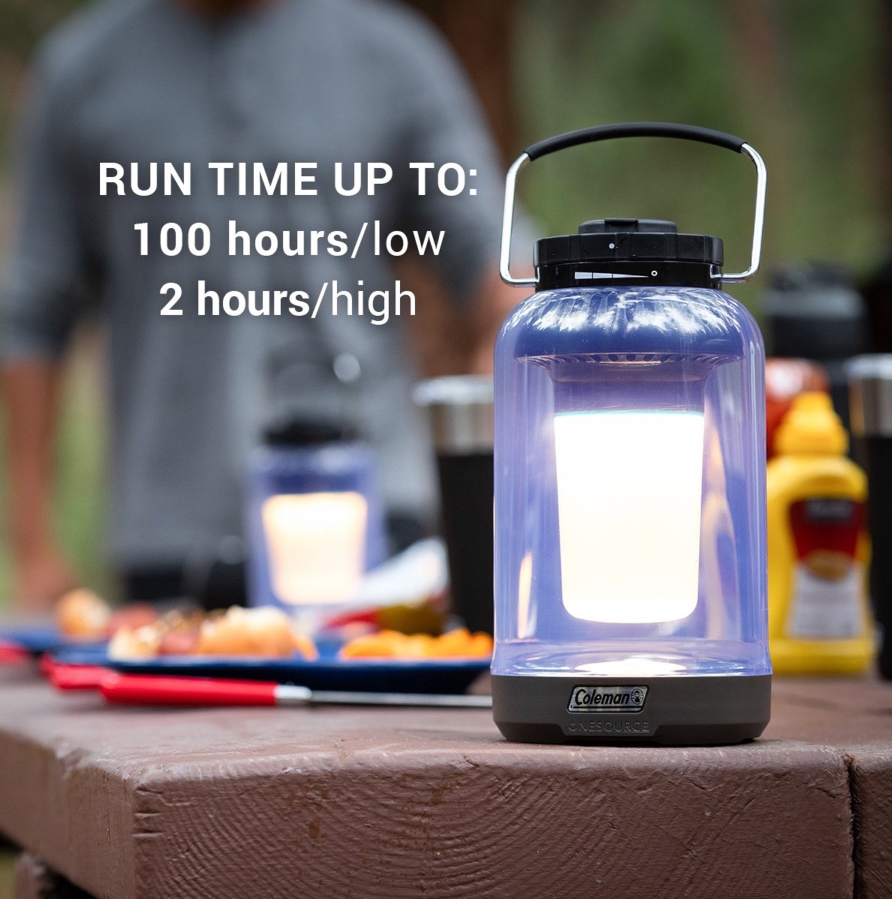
[
  {"x": 870, "y": 399},
  {"x": 460, "y": 412},
  {"x": 814, "y": 312}
]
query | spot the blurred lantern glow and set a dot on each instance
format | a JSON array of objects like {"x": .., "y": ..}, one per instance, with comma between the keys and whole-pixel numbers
[{"x": 316, "y": 545}]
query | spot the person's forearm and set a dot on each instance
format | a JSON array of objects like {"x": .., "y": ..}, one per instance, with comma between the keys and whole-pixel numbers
[{"x": 30, "y": 392}]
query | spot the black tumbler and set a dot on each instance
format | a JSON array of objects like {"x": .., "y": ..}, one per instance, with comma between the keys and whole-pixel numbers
[
  {"x": 870, "y": 399},
  {"x": 460, "y": 412},
  {"x": 814, "y": 312}
]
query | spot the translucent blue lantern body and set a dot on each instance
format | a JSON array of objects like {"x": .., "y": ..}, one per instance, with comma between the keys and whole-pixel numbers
[
  {"x": 630, "y": 482},
  {"x": 630, "y": 485},
  {"x": 315, "y": 525}
]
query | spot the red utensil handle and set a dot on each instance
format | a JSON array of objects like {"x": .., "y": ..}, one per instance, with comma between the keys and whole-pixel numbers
[
  {"x": 13, "y": 654},
  {"x": 78, "y": 677},
  {"x": 141, "y": 689}
]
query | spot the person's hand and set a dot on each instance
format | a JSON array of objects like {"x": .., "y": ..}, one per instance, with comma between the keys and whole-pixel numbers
[{"x": 42, "y": 575}]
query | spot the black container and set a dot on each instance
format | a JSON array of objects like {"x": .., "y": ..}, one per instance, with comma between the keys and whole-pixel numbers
[
  {"x": 870, "y": 421},
  {"x": 814, "y": 312},
  {"x": 460, "y": 411}
]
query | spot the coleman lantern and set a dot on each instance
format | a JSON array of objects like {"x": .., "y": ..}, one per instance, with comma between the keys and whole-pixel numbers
[{"x": 630, "y": 469}]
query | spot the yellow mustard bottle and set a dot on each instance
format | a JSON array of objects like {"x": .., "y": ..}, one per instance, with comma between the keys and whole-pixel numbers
[{"x": 819, "y": 614}]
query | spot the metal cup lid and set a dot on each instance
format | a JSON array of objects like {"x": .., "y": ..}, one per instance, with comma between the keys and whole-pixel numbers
[
  {"x": 460, "y": 411},
  {"x": 870, "y": 395}
]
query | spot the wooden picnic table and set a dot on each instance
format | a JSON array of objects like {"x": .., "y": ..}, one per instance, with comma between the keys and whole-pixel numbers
[{"x": 132, "y": 803}]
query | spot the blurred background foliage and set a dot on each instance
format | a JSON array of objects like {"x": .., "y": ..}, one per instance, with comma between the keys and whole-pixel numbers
[
  {"x": 802, "y": 82},
  {"x": 808, "y": 84}
]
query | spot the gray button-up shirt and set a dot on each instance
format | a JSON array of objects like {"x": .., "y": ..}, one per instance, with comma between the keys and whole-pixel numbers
[{"x": 295, "y": 80}]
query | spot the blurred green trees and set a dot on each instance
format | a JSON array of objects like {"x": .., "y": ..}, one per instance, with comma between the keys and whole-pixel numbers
[{"x": 805, "y": 83}]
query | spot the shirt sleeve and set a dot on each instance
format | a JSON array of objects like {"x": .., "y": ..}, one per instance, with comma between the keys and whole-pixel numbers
[
  {"x": 444, "y": 123},
  {"x": 44, "y": 278}
]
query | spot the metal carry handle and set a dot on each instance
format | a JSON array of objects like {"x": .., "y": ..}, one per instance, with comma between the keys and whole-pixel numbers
[{"x": 633, "y": 129}]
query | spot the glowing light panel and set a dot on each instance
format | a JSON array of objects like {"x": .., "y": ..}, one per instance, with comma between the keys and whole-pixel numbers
[
  {"x": 629, "y": 513},
  {"x": 316, "y": 545}
]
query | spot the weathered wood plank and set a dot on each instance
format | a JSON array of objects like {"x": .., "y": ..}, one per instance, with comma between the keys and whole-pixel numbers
[{"x": 134, "y": 803}]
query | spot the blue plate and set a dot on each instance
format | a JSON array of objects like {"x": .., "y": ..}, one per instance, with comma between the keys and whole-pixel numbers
[
  {"x": 40, "y": 638},
  {"x": 326, "y": 673}
]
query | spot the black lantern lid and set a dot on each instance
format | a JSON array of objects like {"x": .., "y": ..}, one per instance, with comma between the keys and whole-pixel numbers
[
  {"x": 294, "y": 430},
  {"x": 631, "y": 251}
]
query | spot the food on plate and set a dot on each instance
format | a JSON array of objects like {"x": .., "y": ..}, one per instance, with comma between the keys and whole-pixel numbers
[
  {"x": 426, "y": 617},
  {"x": 135, "y": 642},
  {"x": 458, "y": 643},
  {"x": 81, "y": 614},
  {"x": 132, "y": 616},
  {"x": 177, "y": 633},
  {"x": 253, "y": 632},
  {"x": 269, "y": 633},
  {"x": 264, "y": 632}
]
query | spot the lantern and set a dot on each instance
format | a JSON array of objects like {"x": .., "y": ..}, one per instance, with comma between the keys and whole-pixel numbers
[{"x": 630, "y": 539}]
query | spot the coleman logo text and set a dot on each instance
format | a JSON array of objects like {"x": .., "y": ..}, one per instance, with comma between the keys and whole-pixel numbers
[{"x": 607, "y": 699}]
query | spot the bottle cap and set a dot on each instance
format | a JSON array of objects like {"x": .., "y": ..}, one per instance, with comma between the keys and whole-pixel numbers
[
  {"x": 870, "y": 406},
  {"x": 644, "y": 252},
  {"x": 293, "y": 430},
  {"x": 811, "y": 427},
  {"x": 460, "y": 412}
]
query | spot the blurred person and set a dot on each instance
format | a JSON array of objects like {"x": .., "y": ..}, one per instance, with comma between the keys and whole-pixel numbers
[{"x": 139, "y": 81}]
